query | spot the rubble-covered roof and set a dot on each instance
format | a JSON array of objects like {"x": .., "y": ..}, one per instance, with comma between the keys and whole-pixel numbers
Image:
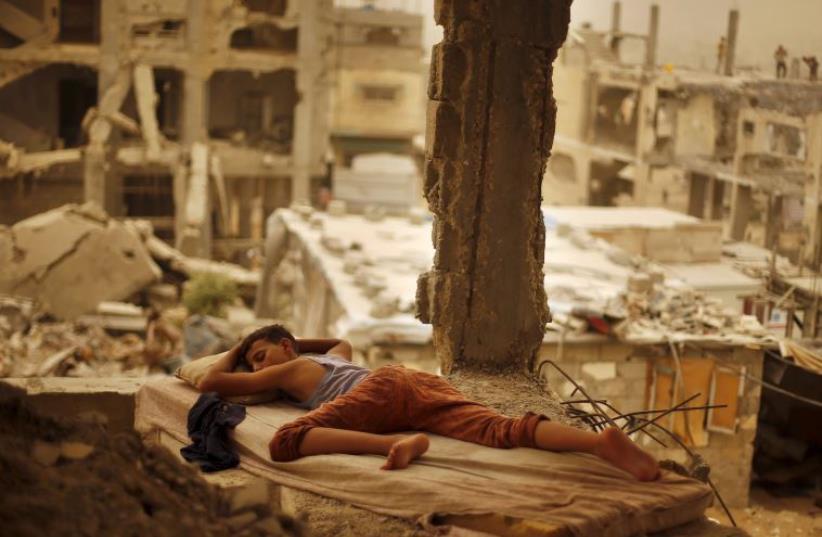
[
  {"x": 371, "y": 263},
  {"x": 615, "y": 217}
]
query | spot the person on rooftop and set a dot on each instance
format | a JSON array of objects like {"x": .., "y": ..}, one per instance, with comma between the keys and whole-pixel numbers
[
  {"x": 781, "y": 56},
  {"x": 358, "y": 411}
]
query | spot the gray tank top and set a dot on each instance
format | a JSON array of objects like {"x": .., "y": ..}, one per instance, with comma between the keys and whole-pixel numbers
[{"x": 340, "y": 378}]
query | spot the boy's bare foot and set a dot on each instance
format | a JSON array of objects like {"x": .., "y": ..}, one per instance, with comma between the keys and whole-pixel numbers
[
  {"x": 616, "y": 448},
  {"x": 406, "y": 450}
]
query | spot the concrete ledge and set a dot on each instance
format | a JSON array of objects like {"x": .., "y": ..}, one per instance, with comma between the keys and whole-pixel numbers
[{"x": 109, "y": 400}]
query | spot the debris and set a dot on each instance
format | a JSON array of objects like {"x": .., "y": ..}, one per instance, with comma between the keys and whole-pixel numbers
[
  {"x": 72, "y": 258},
  {"x": 34, "y": 344},
  {"x": 147, "y": 490},
  {"x": 75, "y": 451},
  {"x": 337, "y": 208},
  {"x": 172, "y": 260},
  {"x": 374, "y": 213},
  {"x": 45, "y": 453}
]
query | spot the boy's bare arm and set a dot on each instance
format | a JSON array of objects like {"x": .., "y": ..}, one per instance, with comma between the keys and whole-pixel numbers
[
  {"x": 228, "y": 383},
  {"x": 337, "y": 347}
]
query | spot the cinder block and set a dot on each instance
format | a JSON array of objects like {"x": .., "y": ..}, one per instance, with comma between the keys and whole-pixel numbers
[
  {"x": 599, "y": 371},
  {"x": 634, "y": 369}
]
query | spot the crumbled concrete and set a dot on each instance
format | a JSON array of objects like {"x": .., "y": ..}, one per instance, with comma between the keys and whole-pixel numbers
[
  {"x": 64, "y": 478},
  {"x": 491, "y": 124},
  {"x": 72, "y": 258}
]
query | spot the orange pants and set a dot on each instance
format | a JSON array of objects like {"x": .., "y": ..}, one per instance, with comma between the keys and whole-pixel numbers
[{"x": 394, "y": 399}]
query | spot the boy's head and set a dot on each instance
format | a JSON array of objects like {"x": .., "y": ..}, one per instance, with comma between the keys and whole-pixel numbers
[{"x": 267, "y": 346}]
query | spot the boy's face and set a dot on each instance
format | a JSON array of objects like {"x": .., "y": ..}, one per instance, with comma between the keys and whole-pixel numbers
[{"x": 264, "y": 353}]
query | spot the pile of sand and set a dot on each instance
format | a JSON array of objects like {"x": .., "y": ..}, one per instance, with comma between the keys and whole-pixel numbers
[{"x": 77, "y": 479}]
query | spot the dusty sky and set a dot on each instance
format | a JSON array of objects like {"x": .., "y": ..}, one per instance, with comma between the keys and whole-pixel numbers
[{"x": 690, "y": 29}]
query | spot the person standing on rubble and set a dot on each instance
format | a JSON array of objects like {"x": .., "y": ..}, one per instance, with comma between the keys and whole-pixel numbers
[
  {"x": 813, "y": 67},
  {"x": 357, "y": 411},
  {"x": 781, "y": 55},
  {"x": 721, "y": 50}
]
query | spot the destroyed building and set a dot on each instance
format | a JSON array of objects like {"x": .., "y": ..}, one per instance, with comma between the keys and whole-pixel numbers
[
  {"x": 202, "y": 117},
  {"x": 735, "y": 146},
  {"x": 378, "y": 99}
]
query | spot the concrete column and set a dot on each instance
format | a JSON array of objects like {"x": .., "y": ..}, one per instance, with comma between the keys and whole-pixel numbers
[
  {"x": 741, "y": 210},
  {"x": 813, "y": 193},
  {"x": 311, "y": 114},
  {"x": 99, "y": 176},
  {"x": 653, "y": 39},
  {"x": 192, "y": 207},
  {"x": 490, "y": 128},
  {"x": 195, "y": 90},
  {"x": 730, "y": 50},
  {"x": 773, "y": 221},
  {"x": 710, "y": 188},
  {"x": 616, "y": 17}
]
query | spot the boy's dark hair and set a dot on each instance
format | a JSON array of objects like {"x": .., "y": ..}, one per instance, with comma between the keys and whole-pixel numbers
[{"x": 273, "y": 333}]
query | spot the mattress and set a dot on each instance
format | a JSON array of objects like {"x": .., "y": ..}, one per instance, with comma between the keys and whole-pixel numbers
[{"x": 561, "y": 493}]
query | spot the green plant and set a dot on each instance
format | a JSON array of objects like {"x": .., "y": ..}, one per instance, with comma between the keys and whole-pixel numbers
[{"x": 208, "y": 293}]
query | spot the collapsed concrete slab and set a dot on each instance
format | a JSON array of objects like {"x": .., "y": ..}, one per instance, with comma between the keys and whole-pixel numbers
[{"x": 72, "y": 258}]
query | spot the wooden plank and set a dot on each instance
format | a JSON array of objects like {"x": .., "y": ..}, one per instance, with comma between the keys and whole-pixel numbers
[
  {"x": 696, "y": 374},
  {"x": 726, "y": 388}
]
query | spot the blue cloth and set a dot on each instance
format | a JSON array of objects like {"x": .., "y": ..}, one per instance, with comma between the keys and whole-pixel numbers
[
  {"x": 340, "y": 378},
  {"x": 209, "y": 422}
]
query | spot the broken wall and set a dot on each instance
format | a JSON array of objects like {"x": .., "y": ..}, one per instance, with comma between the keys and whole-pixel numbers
[
  {"x": 695, "y": 126},
  {"x": 260, "y": 109}
]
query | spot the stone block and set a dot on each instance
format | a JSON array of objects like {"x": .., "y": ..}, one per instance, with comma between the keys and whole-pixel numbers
[
  {"x": 599, "y": 371},
  {"x": 72, "y": 258},
  {"x": 610, "y": 389}
]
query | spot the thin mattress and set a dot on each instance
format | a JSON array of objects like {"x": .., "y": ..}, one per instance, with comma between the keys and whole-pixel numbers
[{"x": 572, "y": 493}]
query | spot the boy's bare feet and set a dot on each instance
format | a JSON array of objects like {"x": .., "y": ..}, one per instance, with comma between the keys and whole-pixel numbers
[
  {"x": 406, "y": 450},
  {"x": 616, "y": 448}
]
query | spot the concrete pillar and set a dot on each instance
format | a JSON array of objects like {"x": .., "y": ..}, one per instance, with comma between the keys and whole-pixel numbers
[
  {"x": 812, "y": 219},
  {"x": 730, "y": 49},
  {"x": 616, "y": 17},
  {"x": 192, "y": 207},
  {"x": 710, "y": 188},
  {"x": 99, "y": 175},
  {"x": 653, "y": 39},
  {"x": 311, "y": 114},
  {"x": 490, "y": 128},
  {"x": 741, "y": 210},
  {"x": 773, "y": 221},
  {"x": 195, "y": 81}
]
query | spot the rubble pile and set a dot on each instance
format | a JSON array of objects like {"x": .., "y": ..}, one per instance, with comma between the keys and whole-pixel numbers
[
  {"x": 33, "y": 344},
  {"x": 77, "y": 479},
  {"x": 649, "y": 310},
  {"x": 79, "y": 292}
]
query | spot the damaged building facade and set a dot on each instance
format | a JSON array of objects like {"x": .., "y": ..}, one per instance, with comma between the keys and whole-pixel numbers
[
  {"x": 732, "y": 147},
  {"x": 200, "y": 117}
]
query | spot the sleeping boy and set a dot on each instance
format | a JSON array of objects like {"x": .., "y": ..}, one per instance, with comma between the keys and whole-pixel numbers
[{"x": 358, "y": 411}]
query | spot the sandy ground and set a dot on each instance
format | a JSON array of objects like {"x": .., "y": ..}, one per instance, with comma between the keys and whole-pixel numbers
[{"x": 769, "y": 516}]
